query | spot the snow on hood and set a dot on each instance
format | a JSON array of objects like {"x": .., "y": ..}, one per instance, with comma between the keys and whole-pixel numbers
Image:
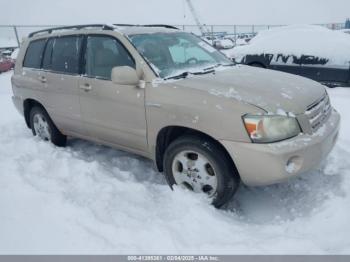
[
  {"x": 273, "y": 91},
  {"x": 299, "y": 40}
]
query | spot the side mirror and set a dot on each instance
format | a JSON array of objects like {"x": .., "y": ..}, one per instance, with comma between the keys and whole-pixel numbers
[{"x": 125, "y": 75}]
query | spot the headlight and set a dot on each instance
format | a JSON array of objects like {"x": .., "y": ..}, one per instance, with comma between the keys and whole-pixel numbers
[{"x": 271, "y": 128}]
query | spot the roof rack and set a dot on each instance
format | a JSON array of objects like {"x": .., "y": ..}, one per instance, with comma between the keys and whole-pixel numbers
[
  {"x": 50, "y": 30},
  {"x": 152, "y": 25}
]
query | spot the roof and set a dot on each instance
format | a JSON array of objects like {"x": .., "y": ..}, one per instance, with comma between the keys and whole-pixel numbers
[
  {"x": 134, "y": 30},
  {"x": 124, "y": 28}
]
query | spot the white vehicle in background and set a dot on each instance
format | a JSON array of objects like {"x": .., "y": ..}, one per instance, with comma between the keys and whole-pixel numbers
[
  {"x": 311, "y": 51},
  {"x": 219, "y": 43},
  {"x": 223, "y": 44},
  {"x": 241, "y": 41},
  {"x": 244, "y": 39},
  {"x": 6, "y": 53}
]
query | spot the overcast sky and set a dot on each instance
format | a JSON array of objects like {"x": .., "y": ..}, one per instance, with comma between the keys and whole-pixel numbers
[{"x": 172, "y": 11}]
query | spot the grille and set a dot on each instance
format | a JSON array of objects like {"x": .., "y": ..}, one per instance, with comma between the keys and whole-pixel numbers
[{"x": 319, "y": 112}]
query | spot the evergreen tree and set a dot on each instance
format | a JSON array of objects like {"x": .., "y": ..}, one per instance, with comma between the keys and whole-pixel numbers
[{"x": 347, "y": 24}]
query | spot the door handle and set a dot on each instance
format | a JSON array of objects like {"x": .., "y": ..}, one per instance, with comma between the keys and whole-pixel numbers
[
  {"x": 86, "y": 87},
  {"x": 42, "y": 79}
]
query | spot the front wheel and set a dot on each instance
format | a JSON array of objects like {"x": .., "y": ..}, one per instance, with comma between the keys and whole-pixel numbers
[
  {"x": 43, "y": 127},
  {"x": 202, "y": 166}
]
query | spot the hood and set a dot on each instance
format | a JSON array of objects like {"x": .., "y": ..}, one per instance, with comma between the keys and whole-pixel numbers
[{"x": 273, "y": 91}]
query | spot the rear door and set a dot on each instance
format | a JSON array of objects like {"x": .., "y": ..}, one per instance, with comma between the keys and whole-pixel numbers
[
  {"x": 62, "y": 66},
  {"x": 33, "y": 77},
  {"x": 111, "y": 113}
]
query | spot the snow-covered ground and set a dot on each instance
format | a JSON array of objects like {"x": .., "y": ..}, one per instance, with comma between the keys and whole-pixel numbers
[{"x": 92, "y": 199}]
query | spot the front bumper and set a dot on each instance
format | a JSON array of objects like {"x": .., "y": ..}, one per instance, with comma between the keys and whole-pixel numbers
[{"x": 266, "y": 164}]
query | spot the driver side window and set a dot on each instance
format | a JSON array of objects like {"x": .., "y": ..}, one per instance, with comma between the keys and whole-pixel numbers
[{"x": 102, "y": 54}]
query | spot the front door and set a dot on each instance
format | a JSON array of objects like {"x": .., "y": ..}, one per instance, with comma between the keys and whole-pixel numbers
[{"x": 111, "y": 113}]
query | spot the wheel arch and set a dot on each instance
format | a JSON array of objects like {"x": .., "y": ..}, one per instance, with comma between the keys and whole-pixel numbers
[
  {"x": 170, "y": 133},
  {"x": 262, "y": 60},
  {"x": 257, "y": 64},
  {"x": 28, "y": 104}
]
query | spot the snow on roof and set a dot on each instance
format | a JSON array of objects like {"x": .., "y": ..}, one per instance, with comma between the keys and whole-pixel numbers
[
  {"x": 299, "y": 40},
  {"x": 134, "y": 30}
]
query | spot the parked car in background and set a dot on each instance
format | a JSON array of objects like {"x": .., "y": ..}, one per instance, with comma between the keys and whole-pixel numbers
[
  {"x": 223, "y": 44},
  {"x": 6, "y": 53},
  {"x": 6, "y": 64},
  {"x": 167, "y": 95},
  {"x": 243, "y": 39},
  {"x": 219, "y": 42},
  {"x": 310, "y": 51}
]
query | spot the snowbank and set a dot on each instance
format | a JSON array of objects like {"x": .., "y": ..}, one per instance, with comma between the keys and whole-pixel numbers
[
  {"x": 346, "y": 31},
  {"x": 299, "y": 40},
  {"x": 15, "y": 54},
  {"x": 89, "y": 199}
]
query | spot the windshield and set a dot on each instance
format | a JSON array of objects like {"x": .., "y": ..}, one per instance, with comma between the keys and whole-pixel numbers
[{"x": 171, "y": 54}]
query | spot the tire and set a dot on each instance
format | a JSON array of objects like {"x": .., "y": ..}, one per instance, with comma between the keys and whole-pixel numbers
[
  {"x": 182, "y": 153},
  {"x": 43, "y": 127}
]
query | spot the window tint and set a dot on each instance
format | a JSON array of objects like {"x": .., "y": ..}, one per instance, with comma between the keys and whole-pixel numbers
[
  {"x": 102, "y": 54},
  {"x": 34, "y": 54},
  {"x": 48, "y": 54},
  {"x": 65, "y": 55}
]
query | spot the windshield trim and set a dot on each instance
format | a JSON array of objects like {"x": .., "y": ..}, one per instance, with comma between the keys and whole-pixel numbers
[{"x": 143, "y": 57}]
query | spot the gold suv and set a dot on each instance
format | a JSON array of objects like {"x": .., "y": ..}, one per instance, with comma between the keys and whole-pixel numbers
[{"x": 167, "y": 95}]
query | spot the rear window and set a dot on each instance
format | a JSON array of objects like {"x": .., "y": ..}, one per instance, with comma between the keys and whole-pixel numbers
[
  {"x": 66, "y": 54},
  {"x": 34, "y": 54}
]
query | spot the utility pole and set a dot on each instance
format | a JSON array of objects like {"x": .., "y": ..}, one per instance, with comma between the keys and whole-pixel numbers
[
  {"x": 204, "y": 31},
  {"x": 16, "y": 34}
]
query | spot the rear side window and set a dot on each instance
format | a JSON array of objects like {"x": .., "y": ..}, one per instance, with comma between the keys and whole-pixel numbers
[
  {"x": 48, "y": 54},
  {"x": 66, "y": 54},
  {"x": 34, "y": 54},
  {"x": 102, "y": 54}
]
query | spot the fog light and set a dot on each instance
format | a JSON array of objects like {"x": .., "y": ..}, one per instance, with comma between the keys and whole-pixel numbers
[{"x": 294, "y": 164}]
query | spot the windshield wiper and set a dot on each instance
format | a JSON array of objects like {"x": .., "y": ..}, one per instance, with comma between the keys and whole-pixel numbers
[
  {"x": 187, "y": 73},
  {"x": 182, "y": 75}
]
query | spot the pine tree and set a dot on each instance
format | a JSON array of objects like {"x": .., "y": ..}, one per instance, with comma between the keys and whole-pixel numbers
[{"x": 347, "y": 24}]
